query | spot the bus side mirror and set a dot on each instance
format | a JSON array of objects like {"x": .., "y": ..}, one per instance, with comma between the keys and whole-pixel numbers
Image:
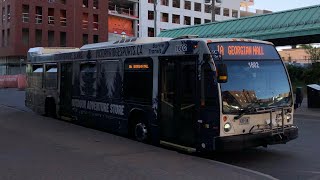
[
  {"x": 222, "y": 72},
  {"x": 299, "y": 97}
]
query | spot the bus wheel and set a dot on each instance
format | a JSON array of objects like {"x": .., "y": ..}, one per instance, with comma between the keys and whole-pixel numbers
[{"x": 141, "y": 132}]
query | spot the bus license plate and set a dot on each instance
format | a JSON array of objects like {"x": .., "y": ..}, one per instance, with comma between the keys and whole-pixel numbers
[{"x": 244, "y": 121}]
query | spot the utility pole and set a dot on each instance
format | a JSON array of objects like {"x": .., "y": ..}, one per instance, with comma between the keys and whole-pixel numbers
[
  {"x": 213, "y": 11},
  {"x": 155, "y": 3}
]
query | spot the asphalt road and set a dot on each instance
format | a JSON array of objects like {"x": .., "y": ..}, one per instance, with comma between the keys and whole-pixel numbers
[
  {"x": 66, "y": 151},
  {"x": 296, "y": 160},
  {"x": 36, "y": 147}
]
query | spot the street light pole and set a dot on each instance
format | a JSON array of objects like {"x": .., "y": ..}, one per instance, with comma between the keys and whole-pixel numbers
[
  {"x": 155, "y": 3},
  {"x": 213, "y": 11}
]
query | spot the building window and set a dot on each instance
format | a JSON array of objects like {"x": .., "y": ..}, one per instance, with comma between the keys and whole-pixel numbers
[
  {"x": 25, "y": 36},
  {"x": 63, "y": 17},
  {"x": 165, "y": 2},
  {"x": 3, "y": 38},
  {"x": 187, "y": 5},
  {"x": 85, "y": 39},
  {"x": 175, "y": 19},
  {"x": 176, "y": 3},
  {"x": 8, "y": 13},
  {"x": 8, "y": 37},
  {"x": 63, "y": 1},
  {"x": 217, "y": 10},
  {"x": 85, "y": 3},
  {"x": 150, "y": 15},
  {"x": 50, "y": 16},
  {"x": 85, "y": 20},
  {"x": 207, "y": 20},
  {"x": 197, "y": 21},
  {"x": 226, "y": 12},
  {"x": 197, "y": 7},
  {"x": 50, "y": 38},
  {"x": 3, "y": 14},
  {"x": 95, "y": 38},
  {"x": 95, "y": 22},
  {"x": 38, "y": 15},
  {"x": 150, "y": 32},
  {"x": 25, "y": 13},
  {"x": 207, "y": 8},
  {"x": 38, "y": 36},
  {"x": 164, "y": 17},
  {"x": 63, "y": 39},
  {"x": 187, "y": 20},
  {"x": 234, "y": 13},
  {"x": 95, "y": 4}
]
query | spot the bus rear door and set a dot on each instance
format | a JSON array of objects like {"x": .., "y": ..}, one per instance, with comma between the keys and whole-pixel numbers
[{"x": 66, "y": 91}]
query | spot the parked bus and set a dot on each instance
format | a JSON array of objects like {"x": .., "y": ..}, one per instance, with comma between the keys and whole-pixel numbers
[{"x": 189, "y": 93}]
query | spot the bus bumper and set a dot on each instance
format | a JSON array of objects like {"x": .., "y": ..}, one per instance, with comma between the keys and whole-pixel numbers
[{"x": 254, "y": 140}]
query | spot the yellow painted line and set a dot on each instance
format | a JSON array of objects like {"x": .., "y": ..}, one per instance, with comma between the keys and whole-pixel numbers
[
  {"x": 66, "y": 118},
  {"x": 177, "y": 146}
]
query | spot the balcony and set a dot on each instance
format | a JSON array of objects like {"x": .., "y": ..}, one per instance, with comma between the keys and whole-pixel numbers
[
  {"x": 38, "y": 19},
  {"x": 50, "y": 20},
  {"x": 25, "y": 17},
  {"x": 122, "y": 12}
]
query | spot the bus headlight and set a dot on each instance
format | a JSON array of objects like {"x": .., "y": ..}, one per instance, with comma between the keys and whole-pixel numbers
[
  {"x": 289, "y": 117},
  {"x": 227, "y": 127}
]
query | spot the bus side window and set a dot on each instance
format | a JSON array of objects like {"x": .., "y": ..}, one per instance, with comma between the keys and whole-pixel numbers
[
  {"x": 138, "y": 80},
  {"x": 37, "y": 72},
  {"x": 110, "y": 80},
  {"x": 209, "y": 86},
  {"x": 51, "y": 76},
  {"x": 88, "y": 79}
]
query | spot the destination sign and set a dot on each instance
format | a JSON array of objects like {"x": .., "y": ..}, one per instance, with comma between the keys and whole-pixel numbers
[
  {"x": 244, "y": 50},
  {"x": 138, "y": 66}
]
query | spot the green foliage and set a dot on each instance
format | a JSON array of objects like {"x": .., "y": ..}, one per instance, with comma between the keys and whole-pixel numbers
[
  {"x": 314, "y": 52},
  {"x": 302, "y": 76}
]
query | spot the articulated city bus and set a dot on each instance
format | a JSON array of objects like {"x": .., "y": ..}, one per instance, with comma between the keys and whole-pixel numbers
[{"x": 189, "y": 93}]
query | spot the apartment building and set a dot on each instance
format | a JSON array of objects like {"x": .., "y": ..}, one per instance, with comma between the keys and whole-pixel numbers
[
  {"x": 136, "y": 18},
  {"x": 50, "y": 23},
  {"x": 123, "y": 18},
  {"x": 180, "y": 13}
]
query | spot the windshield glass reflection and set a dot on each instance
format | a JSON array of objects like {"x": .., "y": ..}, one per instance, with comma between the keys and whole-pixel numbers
[{"x": 259, "y": 84}]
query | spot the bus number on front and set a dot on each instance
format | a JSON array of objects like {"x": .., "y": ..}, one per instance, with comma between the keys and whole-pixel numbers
[{"x": 253, "y": 65}]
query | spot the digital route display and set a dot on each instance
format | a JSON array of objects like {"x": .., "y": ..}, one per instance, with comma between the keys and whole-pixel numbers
[{"x": 244, "y": 50}]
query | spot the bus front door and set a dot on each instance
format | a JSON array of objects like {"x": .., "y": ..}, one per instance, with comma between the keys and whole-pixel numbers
[
  {"x": 177, "y": 102},
  {"x": 66, "y": 91}
]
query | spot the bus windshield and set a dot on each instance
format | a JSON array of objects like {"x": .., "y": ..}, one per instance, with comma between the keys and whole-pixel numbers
[
  {"x": 258, "y": 87},
  {"x": 255, "y": 82}
]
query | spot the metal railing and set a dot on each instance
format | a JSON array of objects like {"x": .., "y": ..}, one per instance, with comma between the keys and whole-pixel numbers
[
  {"x": 25, "y": 17},
  {"x": 38, "y": 18},
  {"x": 50, "y": 19}
]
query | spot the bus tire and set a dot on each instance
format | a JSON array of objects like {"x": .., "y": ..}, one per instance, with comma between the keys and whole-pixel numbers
[
  {"x": 50, "y": 108},
  {"x": 141, "y": 132},
  {"x": 138, "y": 127}
]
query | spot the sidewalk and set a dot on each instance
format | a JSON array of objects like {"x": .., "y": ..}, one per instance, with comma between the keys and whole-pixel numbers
[{"x": 305, "y": 111}]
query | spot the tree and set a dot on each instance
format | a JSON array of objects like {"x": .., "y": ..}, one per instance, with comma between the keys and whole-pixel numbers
[{"x": 313, "y": 51}]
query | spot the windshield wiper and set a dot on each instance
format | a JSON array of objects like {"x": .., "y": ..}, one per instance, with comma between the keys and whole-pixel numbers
[{"x": 249, "y": 109}]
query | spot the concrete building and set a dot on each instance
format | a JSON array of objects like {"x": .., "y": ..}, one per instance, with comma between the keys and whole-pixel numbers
[
  {"x": 295, "y": 56},
  {"x": 136, "y": 18},
  {"x": 123, "y": 18},
  {"x": 49, "y": 23}
]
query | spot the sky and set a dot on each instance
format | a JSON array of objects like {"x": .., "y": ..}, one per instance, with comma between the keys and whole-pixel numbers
[{"x": 281, "y": 5}]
